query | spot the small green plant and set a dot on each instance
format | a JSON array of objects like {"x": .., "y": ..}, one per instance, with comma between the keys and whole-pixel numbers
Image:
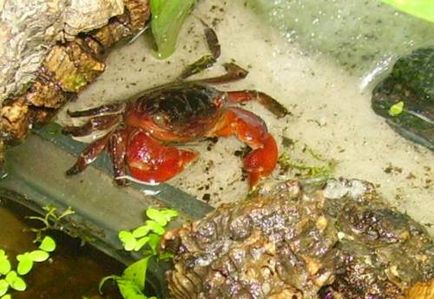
[
  {"x": 167, "y": 20},
  {"x": 396, "y": 109},
  {"x": 306, "y": 170},
  {"x": 145, "y": 238},
  {"x": 51, "y": 220},
  {"x": 13, "y": 278}
]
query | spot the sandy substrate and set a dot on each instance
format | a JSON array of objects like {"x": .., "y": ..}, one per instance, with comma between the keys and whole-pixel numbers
[{"x": 330, "y": 114}]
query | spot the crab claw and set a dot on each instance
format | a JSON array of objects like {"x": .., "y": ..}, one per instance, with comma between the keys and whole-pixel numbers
[
  {"x": 251, "y": 129},
  {"x": 262, "y": 161},
  {"x": 149, "y": 161}
]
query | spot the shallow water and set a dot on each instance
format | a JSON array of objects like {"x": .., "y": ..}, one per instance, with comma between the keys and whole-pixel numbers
[
  {"x": 307, "y": 65},
  {"x": 73, "y": 271},
  {"x": 359, "y": 35}
]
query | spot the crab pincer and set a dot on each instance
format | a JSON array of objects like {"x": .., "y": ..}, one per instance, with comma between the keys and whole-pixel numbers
[
  {"x": 250, "y": 129},
  {"x": 150, "y": 161}
]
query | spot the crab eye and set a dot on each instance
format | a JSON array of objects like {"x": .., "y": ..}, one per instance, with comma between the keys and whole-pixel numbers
[{"x": 160, "y": 120}]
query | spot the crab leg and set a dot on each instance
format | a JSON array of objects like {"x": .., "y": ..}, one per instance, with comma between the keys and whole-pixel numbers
[
  {"x": 212, "y": 41},
  {"x": 247, "y": 95},
  {"x": 251, "y": 129},
  {"x": 150, "y": 161},
  {"x": 233, "y": 73},
  {"x": 198, "y": 66},
  {"x": 117, "y": 149},
  {"x": 93, "y": 124},
  {"x": 89, "y": 155},
  {"x": 101, "y": 110},
  {"x": 205, "y": 61}
]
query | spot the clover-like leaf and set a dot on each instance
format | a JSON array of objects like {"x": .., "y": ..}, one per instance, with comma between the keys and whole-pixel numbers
[
  {"x": 8, "y": 296},
  {"x": 162, "y": 216},
  {"x": 48, "y": 244},
  {"x": 127, "y": 239},
  {"x": 39, "y": 255},
  {"x": 141, "y": 231},
  {"x": 155, "y": 227},
  {"x": 141, "y": 242},
  {"x": 5, "y": 265},
  {"x": 25, "y": 263},
  {"x": 15, "y": 282},
  {"x": 4, "y": 286},
  {"x": 396, "y": 109}
]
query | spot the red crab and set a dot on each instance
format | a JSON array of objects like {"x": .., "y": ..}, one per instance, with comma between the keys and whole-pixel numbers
[{"x": 141, "y": 133}]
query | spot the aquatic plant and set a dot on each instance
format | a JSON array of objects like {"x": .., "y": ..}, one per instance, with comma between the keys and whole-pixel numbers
[
  {"x": 167, "y": 19},
  {"x": 51, "y": 220},
  {"x": 11, "y": 278},
  {"x": 146, "y": 239},
  {"x": 310, "y": 164}
]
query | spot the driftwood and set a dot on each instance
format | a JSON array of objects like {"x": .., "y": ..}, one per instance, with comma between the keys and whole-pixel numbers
[{"x": 52, "y": 49}]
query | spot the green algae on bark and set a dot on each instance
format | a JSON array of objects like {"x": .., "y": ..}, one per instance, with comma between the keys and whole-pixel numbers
[{"x": 411, "y": 82}]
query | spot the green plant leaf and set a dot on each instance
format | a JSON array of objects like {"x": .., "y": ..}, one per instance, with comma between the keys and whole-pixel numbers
[
  {"x": 423, "y": 9},
  {"x": 4, "y": 286},
  {"x": 39, "y": 255},
  {"x": 396, "y": 109},
  {"x": 15, "y": 282},
  {"x": 167, "y": 19},
  {"x": 162, "y": 216},
  {"x": 127, "y": 239},
  {"x": 48, "y": 244},
  {"x": 8, "y": 296},
  {"x": 104, "y": 280},
  {"x": 5, "y": 265},
  {"x": 164, "y": 256},
  {"x": 25, "y": 263},
  {"x": 155, "y": 227},
  {"x": 132, "y": 282},
  {"x": 67, "y": 212},
  {"x": 127, "y": 288},
  {"x": 141, "y": 231},
  {"x": 140, "y": 243},
  {"x": 154, "y": 242},
  {"x": 136, "y": 272},
  {"x": 130, "y": 290}
]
